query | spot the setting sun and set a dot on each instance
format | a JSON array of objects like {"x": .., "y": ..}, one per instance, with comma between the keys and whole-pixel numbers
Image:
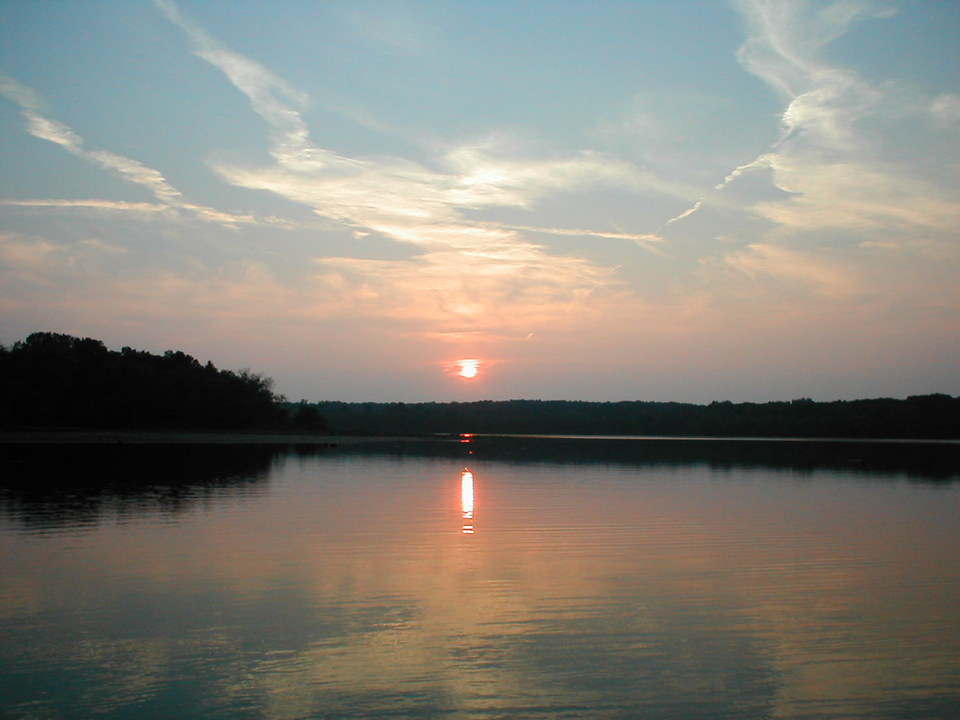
[{"x": 468, "y": 368}]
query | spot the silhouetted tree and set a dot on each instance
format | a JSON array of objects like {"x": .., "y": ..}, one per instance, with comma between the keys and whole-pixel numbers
[
  {"x": 305, "y": 417},
  {"x": 51, "y": 379}
]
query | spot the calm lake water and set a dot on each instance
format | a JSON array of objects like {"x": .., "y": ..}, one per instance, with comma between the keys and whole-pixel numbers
[{"x": 523, "y": 578}]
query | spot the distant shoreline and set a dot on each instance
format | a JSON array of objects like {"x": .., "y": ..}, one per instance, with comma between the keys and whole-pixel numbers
[
  {"x": 146, "y": 437},
  {"x": 181, "y": 437}
]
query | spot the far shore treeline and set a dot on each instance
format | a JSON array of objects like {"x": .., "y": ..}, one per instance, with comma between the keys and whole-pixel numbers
[
  {"x": 52, "y": 380},
  {"x": 926, "y": 416}
]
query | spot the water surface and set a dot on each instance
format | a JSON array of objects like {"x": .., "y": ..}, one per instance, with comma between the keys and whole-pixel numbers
[{"x": 561, "y": 579}]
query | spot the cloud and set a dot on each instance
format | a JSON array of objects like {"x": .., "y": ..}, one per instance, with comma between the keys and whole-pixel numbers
[
  {"x": 945, "y": 108},
  {"x": 92, "y": 204},
  {"x": 785, "y": 39},
  {"x": 23, "y": 96},
  {"x": 490, "y": 291},
  {"x": 473, "y": 275},
  {"x": 830, "y": 160},
  {"x": 270, "y": 96},
  {"x": 415, "y": 205},
  {"x": 167, "y": 213},
  {"x": 44, "y": 128},
  {"x": 481, "y": 179},
  {"x": 390, "y": 26},
  {"x": 822, "y": 103},
  {"x": 857, "y": 196},
  {"x": 80, "y": 282},
  {"x": 345, "y": 186},
  {"x": 133, "y": 171},
  {"x": 804, "y": 269},
  {"x": 484, "y": 241},
  {"x": 649, "y": 241}
]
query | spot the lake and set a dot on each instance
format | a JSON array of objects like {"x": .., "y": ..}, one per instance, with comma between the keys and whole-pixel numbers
[{"x": 487, "y": 578}]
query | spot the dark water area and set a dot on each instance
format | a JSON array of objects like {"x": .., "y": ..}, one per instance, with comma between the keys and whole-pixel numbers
[
  {"x": 914, "y": 460},
  {"x": 495, "y": 578},
  {"x": 51, "y": 485}
]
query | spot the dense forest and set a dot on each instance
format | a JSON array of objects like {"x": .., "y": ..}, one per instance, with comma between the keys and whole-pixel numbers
[
  {"x": 56, "y": 380},
  {"x": 927, "y": 416}
]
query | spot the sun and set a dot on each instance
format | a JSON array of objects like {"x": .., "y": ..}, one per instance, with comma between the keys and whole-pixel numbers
[{"x": 468, "y": 368}]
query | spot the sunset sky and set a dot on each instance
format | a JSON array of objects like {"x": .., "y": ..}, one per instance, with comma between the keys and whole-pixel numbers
[{"x": 491, "y": 199}]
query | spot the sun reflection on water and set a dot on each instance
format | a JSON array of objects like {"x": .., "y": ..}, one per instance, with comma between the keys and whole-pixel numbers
[{"x": 466, "y": 501}]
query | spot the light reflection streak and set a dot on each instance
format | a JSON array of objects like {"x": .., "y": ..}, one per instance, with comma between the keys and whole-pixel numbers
[{"x": 466, "y": 501}]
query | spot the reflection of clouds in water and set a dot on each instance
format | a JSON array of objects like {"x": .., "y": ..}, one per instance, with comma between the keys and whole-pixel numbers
[{"x": 625, "y": 590}]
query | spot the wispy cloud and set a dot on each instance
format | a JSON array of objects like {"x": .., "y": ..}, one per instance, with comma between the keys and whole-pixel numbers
[
  {"x": 945, "y": 109},
  {"x": 784, "y": 48},
  {"x": 45, "y": 128},
  {"x": 55, "y": 132},
  {"x": 391, "y": 26},
  {"x": 87, "y": 282},
  {"x": 420, "y": 206},
  {"x": 835, "y": 202},
  {"x": 829, "y": 161},
  {"x": 649, "y": 241},
  {"x": 822, "y": 102},
  {"x": 809, "y": 271},
  {"x": 858, "y": 197},
  {"x": 91, "y": 204},
  {"x": 458, "y": 292}
]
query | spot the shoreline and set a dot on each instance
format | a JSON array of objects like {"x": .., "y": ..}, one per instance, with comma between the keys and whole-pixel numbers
[
  {"x": 184, "y": 437},
  {"x": 165, "y": 437}
]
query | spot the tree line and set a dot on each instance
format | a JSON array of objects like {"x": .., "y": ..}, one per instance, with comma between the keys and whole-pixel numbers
[
  {"x": 56, "y": 380},
  {"x": 926, "y": 416}
]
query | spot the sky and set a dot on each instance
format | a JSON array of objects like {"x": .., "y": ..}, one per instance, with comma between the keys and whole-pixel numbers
[{"x": 405, "y": 200}]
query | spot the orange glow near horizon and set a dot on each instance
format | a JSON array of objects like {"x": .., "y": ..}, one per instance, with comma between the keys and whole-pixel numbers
[{"x": 466, "y": 501}]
